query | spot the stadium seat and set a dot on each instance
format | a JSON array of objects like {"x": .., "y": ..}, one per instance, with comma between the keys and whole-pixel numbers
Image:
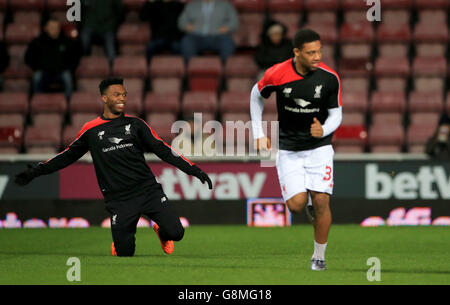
[
  {"x": 204, "y": 73},
  {"x": 11, "y": 136},
  {"x": 392, "y": 67},
  {"x": 133, "y": 33},
  {"x": 328, "y": 32},
  {"x": 166, "y": 84},
  {"x": 86, "y": 102},
  {"x": 38, "y": 136},
  {"x": 93, "y": 66},
  {"x": 425, "y": 102},
  {"x": 352, "y": 84},
  {"x": 79, "y": 119},
  {"x": 48, "y": 103},
  {"x": 27, "y": 5},
  {"x": 88, "y": 84},
  {"x": 13, "y": 102},
  {"x": 353, "y": 118},
  {"x": 322, "y": 16},
  {"x": 436, "y": 49},
  {"x": 162, "y": 125},
  {"x": 417, "y": 136},
  {"x": 240, "y": 84},
  {"x": 387, "y": 117},
  {"x": 320, "y": 5},
  {"x": 198, "y": 101},
  {"x": 397, "y": 50},
  {"x": 130, "y": 66},
  {"x": 356, "y": 50},
  {"x": 351, "y": 135},
  {"x": 133, "y": 49},
  {"x": 12, "y": 120},
  {"x": 56, "y": 5},
  {"x": 387, "y": 102},
  {"x": 47, "y": 119},
  {"x": 234, "y": 102},
  {"x": 133, "y": 84},
  {"x": 284, "y": 5},
  {"x": 250, "y": 27},
  {"x": 355, "y": 101},
  {"x": 391, "y": 84},
  {"x": 16, "y": 85},
  {"x": 258, "y": 6},
  {"x": 240, "y": 66},
  {"x": 429, "y": 66},
  {"x": 353, "y": 5},
  {"x": 386, "y": 138},
  {"x": 393, "y": 33},
  {"x": 290, "y": 19},
  {"x": 427, "y": 4},
  {"x": 432, "y": 16},
  {"x": 162, "y": 102},
  {"x": 355, "y": 67},
  {"x": 397, "y": 4},
  {"x": 428, "y": 118},
  {"x": 21, "y": 33},
  {"x": 133, "y": 5},
  {"x": 70, "y": 133},
  {"x": 9, "y": 150},
  {"x": 361, "y": 32},
  {"x": 134, "y": 104},
  {"x": 31, "y": 17},
  {"x": 429, "y": 84},
  {"x": 167, "y": 66},
  {"x": 429, "y": 32}
]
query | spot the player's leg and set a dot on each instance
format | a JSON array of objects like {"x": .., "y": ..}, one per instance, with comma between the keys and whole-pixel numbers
[
  {"x": 124, "y": 219},
  {"x": 323, "y": 218},
  {"x": 297, "y": 202}
]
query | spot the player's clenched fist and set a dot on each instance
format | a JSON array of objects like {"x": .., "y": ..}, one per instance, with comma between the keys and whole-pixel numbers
[
  {"x": 316, "y": 129},
  {"x": 262, "y": 144}
]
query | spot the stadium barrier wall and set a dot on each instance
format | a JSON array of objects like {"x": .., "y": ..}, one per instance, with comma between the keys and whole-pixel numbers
[{"x": 380, "y": 190}]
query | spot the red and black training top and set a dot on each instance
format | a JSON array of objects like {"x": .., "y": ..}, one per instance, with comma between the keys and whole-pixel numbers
[
  {"x": 117, "y": 147},
  {"x": 300, "y": 98}
]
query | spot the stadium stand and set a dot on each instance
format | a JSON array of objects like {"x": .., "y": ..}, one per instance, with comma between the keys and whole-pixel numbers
[{"x": 394, "y": 73}]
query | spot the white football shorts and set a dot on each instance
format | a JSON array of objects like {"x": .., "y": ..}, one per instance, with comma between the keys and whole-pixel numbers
[{"x": 300, "y": 171}]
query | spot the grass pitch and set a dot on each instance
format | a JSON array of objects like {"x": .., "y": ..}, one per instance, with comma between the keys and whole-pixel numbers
[{"x": 228, "y": 255}]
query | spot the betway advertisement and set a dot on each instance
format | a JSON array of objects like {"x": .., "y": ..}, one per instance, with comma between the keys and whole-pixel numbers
[{"x": 368, "y": 180}]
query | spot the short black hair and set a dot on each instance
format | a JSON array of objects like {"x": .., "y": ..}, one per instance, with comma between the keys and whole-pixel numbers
[
  {"x": 104, "y": 85},
  {"x": 304, "y": 36}
]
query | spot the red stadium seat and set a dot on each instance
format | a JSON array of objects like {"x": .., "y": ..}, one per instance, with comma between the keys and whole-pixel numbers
[
  {"x": 353, "y": 118},
  {"x": 353, "y": 5},
  {"x": 429, "y": 84},
  {"x": 320, "y": 5},
  {"x": 166, "y": 85},
  {"x": 79, "y": 119},
  {"x": 389, "y": 33},
  {"x": 13, "y": 102},
  {"x": 27, "y": 5},
  {"x": 427, "y": 4},
  {"x": 199, "y": 102},
  {"x": 11, "y": 136},
  {"x": 388, "y": 102},
  {"x": 357, "y": 32},
  {"x": 240, "y": 84},
  {"x": 93, "y": 66},
  {"x": 284, "y": 5},
  {"x": 234, "y": 102},
  {"x": 391, "y": 84},
  {"x": 432, "y": 16},
  {"x": 130, "y": 66},
  {"x": 134, "y": 85},
  {"x": 56, "y": 5},
  {"x": 162, "y": 102},
  {"x": 431, "y": 49},
  {"x": 328, "y": 32},
  {"x": 48, "y": 119},
  {"x": 86, "y": 102},
  {"x": 12, "y": 120},
  {"x": 249, "y": 5},
  {"x": 352, "y": 84},
  {"x": 133, "y": 49},
  {"x": 397, "y": 4},
  {"x": 393, "y": 50},
  {"x": 250, "y": 27},
  {"x": 134, "y": 103},
  {"x": 204, "y": 73},
  {"x": 133, "y": 33},
  {"x": 88, "y": 84},
  {"x": 350, "y": 135},
  {"x": 16, "y": 85},
  {"x": 387, "y": 118},
  {"x": 392, "y": 67},
  {"x": 417, "y": 136},
  {"x": 355, "y": 67},
  {"x": 356, "y": 50},
  {"x": 290, "y": 20},
  {"x": 396, "y": 16},
  {"x": 322, "y": 17},
  {"x": 39, "y": 136},
  {"x": 21, "y": 33},
  {"x": 429, "y": 66},
  {"x": 425, "y": 102},
  {"x": 386, "y": 137},
  {"x": 33, "y": 18},
  {"x": 429, "y": 32},
  {"x": 355, "y": 101},
  {"x": 162, "y": 125},
  {"x": 48, "y": 103},
  {"x": 429, "y": 118},
  {"x": 70, "y": 133},
  {"x": 241, "y": 66},
  {"x": 167, "y": 66}
]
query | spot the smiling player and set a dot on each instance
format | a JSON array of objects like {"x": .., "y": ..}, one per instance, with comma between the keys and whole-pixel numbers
[
  {"x": 117, "y": 143},
  {"x": 309, "y": 111}
]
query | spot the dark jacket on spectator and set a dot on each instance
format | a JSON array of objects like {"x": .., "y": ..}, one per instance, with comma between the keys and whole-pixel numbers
[
  {"x": 52, "y": 55},
  {"x": 268, "y": 53},
  {"x": 102, "y": 15},
  {"x": 163, "y": 19},
  {"x": 438, "y": 146},
  {"x": 4, "y": 57}
]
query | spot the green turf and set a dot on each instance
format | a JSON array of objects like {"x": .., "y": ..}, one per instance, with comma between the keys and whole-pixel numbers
[{"x": 228, "y": 255}]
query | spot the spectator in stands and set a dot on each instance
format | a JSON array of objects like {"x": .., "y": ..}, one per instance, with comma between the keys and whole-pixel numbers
[
  {"x": 101, "y": 19},
  {"x": 53, "y": 58},
  {"x": 4, "y": 61},
  {"x": 208, "y": 25},
  {"x": 274, "y": 47},
  {"x": 438, "y": 146},
  {"x": 163, "y": 16}
]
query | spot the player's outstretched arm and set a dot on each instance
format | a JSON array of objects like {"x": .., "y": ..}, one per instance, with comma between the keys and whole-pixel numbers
[{"x": 68, "y": 156}]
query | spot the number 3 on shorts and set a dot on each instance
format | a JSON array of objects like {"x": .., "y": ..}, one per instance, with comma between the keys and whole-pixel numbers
[{"x": 328, "y": 172}]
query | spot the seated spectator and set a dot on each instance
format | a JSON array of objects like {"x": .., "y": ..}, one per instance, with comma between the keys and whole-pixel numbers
[
  {"x": 53, "y": 58},
  {"x": 438, "y": 146},
  {"x": 162, "y": 16},
  {"x": 274, "y": 47},
  {"x": 4, "y": 61},
  {"x": 208, "y": 25},
  {"x": 101, "y": 19}
]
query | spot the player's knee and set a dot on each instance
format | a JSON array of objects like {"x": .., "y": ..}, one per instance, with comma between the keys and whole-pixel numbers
[
  {"x": 296, "y": 204},
  {"x": 321, "y": 204}
]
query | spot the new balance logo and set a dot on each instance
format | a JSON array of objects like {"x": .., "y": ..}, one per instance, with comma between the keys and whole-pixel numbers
[
  {"x": 101, "y": 134},
  {"x": 287, "y": 92}
]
